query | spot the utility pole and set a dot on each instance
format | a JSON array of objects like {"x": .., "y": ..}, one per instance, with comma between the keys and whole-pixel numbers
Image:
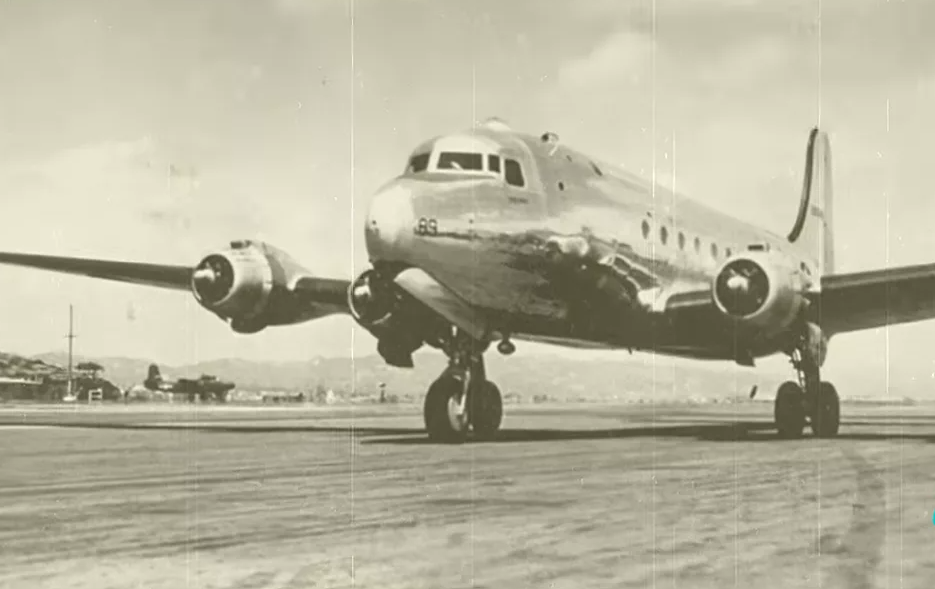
[{"x": 71, "y": 340}]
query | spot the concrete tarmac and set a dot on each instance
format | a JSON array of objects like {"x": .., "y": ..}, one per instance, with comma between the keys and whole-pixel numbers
[{"x": 569, "y": 496}]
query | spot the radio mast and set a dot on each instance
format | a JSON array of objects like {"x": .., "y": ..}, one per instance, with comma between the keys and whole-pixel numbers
[{"x": 71, "y": 340}]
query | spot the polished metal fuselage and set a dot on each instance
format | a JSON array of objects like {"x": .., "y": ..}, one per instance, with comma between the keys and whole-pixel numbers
[{"x": 519, "y": 254}]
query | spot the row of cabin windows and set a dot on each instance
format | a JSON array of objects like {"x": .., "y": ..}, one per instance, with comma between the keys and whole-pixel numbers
[
  {"x": 510, "y": 169},
  {"x": 682, "y": 241}
]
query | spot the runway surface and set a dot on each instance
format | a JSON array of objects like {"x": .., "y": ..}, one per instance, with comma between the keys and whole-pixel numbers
[{"x": 569, "y": 496}]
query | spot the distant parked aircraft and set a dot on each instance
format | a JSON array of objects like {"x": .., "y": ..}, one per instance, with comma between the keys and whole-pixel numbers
[{"x": 206, "y": 387}]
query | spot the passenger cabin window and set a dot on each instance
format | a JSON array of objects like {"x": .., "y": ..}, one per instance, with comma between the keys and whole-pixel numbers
[
  {"x": 645, "y": 228},
  {"x": 663, "y": 235},
  {"x": 452, "y": 160},
  {"x": 714, "y": 250},
  {"x": 681, "y": 240},
  {"x": 418, "y": 163},
  {"x": 513, "y": 173},
  {"x": 698, "y": 244}
]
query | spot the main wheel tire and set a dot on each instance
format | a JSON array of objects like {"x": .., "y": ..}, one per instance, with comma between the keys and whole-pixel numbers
[
  {"x": 486, "y": 410},
  {"x": 826, "y": 419},
  {"x": 440, "y": 412},
  {"x": 788, "y": 411}
]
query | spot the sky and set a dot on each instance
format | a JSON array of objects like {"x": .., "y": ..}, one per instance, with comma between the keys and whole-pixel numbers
[{"x": 281, "y": 117}]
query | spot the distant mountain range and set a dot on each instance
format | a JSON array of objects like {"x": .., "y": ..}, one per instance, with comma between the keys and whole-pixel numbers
[
  {"x": 526, "y": 378},
  {"x": 533, "y": 377}
]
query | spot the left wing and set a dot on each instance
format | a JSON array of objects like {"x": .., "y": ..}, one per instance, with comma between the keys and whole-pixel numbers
[
  {"x": 845, "y": 303},
  {"x": 867, "y": 300}
]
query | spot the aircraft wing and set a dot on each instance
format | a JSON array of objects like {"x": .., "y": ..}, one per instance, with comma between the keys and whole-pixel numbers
[
  {"x": 845, "y": 303},
  {"x": 867, "y": 300},
  {"x": 162, "y": 276},
  {"x": 322, "y": 293}
]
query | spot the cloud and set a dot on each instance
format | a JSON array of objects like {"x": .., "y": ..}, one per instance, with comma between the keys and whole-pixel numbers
[
  {"x": 96, "y": 197},
  {"x": 626, "y": 55},
  {"x": 756, "y": 60},
  {"x": 313, "y": 7},
  {"x": 306, "y": 7}
]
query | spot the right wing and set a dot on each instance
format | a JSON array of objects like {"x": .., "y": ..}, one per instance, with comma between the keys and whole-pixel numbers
[
  {"x": 162, "y": 276},
  {"x": 300, "y": 295}
]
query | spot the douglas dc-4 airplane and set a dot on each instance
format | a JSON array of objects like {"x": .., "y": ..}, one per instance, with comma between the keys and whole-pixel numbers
[{"x": 490, "y": 235}]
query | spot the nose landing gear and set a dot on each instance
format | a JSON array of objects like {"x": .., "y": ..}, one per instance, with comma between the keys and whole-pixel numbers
[{"x": 462, "y": 397}]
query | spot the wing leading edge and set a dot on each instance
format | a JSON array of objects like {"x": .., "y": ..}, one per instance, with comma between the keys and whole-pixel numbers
[{"x": 158, "y": 275}]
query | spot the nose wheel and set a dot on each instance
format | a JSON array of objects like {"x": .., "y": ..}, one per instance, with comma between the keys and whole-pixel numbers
[
  {"x": 810, "y": 400},
  {"x": 462, "y": 398}
]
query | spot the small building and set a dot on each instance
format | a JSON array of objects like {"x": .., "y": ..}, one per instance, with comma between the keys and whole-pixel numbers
[{"x": 15, "y": 388}]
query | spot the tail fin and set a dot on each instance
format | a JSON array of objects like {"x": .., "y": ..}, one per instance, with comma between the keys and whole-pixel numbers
[
  {"x": 813, "y": 232},
  {"x": 153, "y": 377}
]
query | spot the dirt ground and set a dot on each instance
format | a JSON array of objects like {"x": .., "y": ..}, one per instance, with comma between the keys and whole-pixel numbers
[{"x": 569, "y": 496}]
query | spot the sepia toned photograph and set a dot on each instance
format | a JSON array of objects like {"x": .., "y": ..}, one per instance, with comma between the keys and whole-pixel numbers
[{"x": 467, "y": 294}]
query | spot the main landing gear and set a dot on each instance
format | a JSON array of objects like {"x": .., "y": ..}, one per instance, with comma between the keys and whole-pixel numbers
[
  {"x": 810, "y": 399},
  {"x": 462, "y": 397}
]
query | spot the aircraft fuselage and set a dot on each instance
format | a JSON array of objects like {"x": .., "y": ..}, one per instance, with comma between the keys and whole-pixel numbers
[{"x": 503, "y": 219}]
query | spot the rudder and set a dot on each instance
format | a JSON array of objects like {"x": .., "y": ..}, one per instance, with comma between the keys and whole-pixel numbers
[{"x": 813, "y": 231}]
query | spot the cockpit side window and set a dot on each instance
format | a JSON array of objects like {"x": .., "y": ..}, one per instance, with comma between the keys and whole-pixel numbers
[
  {"x": 451, "y": 160},
  {"x": 513, "y": 173},
  {"x": 493, "y": 163},
  {"x": 418, "y": 163}
]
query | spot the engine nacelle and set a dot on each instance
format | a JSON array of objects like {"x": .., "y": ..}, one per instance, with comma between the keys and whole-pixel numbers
[
  {"x": 247, "y": 285},
  {"x": 761, "y": 292},
  {"x": 396, "y": 320}
]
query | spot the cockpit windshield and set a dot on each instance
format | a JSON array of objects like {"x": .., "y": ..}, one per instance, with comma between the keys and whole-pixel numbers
[
  {"x": 453, "y": 160},
  {"x": 418, "y": 163},
  {"x": 461, "y": 153}
]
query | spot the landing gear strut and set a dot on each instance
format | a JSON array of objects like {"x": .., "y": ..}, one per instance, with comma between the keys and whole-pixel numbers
[
  {"x": 462, "y": 397},
  {"x": 810, "y": 399}
]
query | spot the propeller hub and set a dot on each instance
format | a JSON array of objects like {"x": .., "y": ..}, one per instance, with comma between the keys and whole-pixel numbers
[
  {"x": 742, "y": 287},
  {"x": 739, "y": 284},
  {"x": 213, "y": 278}
]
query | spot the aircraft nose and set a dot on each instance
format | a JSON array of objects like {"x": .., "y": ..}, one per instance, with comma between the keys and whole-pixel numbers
[{"x": 390, "y": 222}]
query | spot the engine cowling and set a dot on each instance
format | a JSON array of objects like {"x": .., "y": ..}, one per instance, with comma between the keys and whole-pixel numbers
[
  {"x": 397, "y": 321},
  {"x": 238, "y": 283},
  {"x": 760, "y": 292},
  {"x": 373, "y": 302}
]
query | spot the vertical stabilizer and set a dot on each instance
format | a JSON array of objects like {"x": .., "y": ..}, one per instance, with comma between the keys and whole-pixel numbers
[
  {"x": 153, "y": 377},
  {"x": 813, "y": 232}
]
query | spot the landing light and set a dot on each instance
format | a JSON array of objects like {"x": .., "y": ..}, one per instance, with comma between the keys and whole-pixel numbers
[{"x": 506, "y": 347}]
